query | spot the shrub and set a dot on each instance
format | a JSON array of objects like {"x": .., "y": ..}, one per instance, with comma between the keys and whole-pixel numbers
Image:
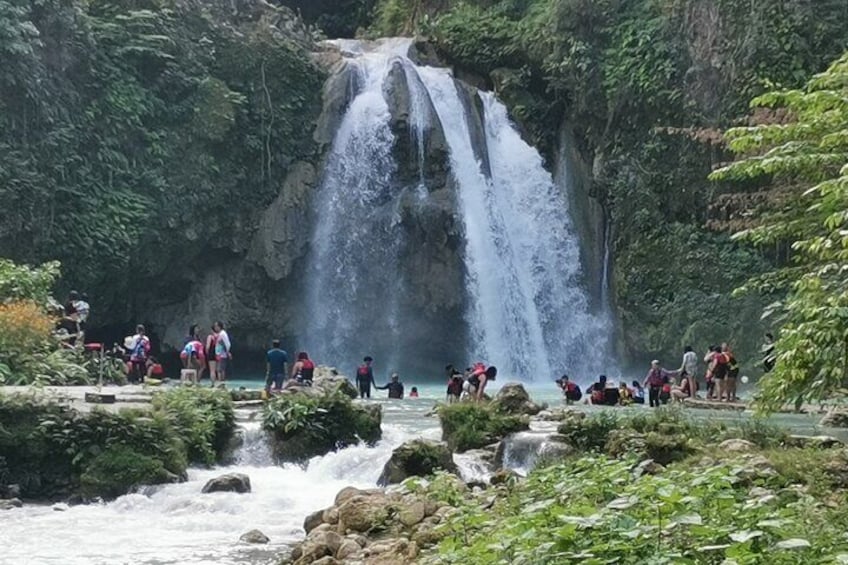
[
  {"x": 469, "y": 425},
  {"x": 26, "y": 329},
  {"x": 119, "y": 470},
  {"x": 304, "y": 426},
  {"x": 203, "y": 418},
  {"x": 589, "y": 433},
  {"x": 22, "y": 282}
]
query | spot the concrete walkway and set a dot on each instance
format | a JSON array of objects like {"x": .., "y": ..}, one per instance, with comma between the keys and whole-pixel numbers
[{"x": 128, "y": 396}]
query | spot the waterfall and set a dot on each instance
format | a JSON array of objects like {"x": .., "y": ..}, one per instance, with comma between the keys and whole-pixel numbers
[{"x": 522, "y": 304}]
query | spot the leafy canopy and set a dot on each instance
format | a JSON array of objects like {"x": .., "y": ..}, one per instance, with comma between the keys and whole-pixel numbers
[{"x": 807, "y": 155}]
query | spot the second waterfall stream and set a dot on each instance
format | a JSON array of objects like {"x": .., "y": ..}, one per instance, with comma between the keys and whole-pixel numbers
[{"x": 525, "y": 307}]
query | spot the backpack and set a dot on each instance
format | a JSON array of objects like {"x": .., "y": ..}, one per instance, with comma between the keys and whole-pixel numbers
[
  {"x": 362, "y": 371},
  {"x": 139, "y": 352},
  {"x": 732, "y": 366}
]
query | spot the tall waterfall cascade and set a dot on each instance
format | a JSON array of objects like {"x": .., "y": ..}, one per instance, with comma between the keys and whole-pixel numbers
[{"x": 518, "y": 294}]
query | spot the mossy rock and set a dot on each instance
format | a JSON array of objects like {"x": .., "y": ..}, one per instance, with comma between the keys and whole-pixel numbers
[
  {"x": 471, "y": 425},
  {"x": 416, "y": 458},
  {"x": 304, "y": 425},
  {"x": 119, "y": 470}
]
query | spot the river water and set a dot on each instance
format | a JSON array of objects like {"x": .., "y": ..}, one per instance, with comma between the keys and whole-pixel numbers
[{"x": 176, "y": 524}]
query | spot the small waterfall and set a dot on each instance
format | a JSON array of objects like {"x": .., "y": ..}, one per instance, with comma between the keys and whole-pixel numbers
[
  {"x": 255, "y": 448},
  {"x": 521, "y": 451}
]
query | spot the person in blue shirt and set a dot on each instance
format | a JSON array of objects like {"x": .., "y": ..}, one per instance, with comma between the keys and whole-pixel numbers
[{"x": 275, "y": 368}]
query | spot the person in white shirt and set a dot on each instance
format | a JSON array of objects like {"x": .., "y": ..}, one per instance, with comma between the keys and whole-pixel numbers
[
  {"x": 223, "y": 353},
  {"x": 689, "y": 368}
]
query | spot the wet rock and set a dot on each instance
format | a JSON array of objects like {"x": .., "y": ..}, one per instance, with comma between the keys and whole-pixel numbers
[
  {"x": 361, "y": 540},
  {"x": 835, "y": 419},
  {"x": 332, "y": 384},
  {"x": 364, "y": 513},
  {"x": 60, "y": 507},
  {"x": 648, "y": 467},
  {"x": 231, "y": 482},
  {"x": 347, "y": 548},
  {"x": 512, "y": 398},
  {"x": 417, "y": 458},
  {"x": 8, "y": 504},
  {"x": 254, "y": 536},
  {"x": 737, "y": 446},
  {"x": 314, "y": 520}
]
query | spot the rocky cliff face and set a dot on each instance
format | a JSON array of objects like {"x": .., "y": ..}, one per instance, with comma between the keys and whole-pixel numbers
[{"x": 259, "y": 291}]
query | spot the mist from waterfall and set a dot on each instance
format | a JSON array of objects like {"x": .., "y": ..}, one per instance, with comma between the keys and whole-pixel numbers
[{"x": 526, "y": 311}]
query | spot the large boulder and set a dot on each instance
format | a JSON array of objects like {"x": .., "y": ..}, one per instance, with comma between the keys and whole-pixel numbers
[
  {"x": 736, "y": 445},
  {"x": 512, "y": 398},
  {"x": 364, "y": 513},
  {"x": 416, "y": 458},
  {"x": 231, "y": 482}
]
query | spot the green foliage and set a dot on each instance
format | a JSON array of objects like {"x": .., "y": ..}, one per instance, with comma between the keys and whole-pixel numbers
[
  {"x": 22, "y": 282},
  {"x": 589, "y": 433},
  {"x": 806, "y": 155},
  {"x": 470, "y": 425},
  {"x": 52, "y": 450},
  {"x": 123, "y": 124},
  {"x": 304, "y": 425},
  {"x": 203, "y": 418},
  {"x": 593, "y": 510},
  {"x": 118, "y": 470}
]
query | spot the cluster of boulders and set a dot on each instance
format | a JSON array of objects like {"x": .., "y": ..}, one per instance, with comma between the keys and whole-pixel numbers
[{"x": 371, "y": 527}]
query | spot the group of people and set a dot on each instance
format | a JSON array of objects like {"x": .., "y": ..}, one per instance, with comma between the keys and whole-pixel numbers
[
  {"x": 661, "y": 385},
  {"x": 470, "y": 384},
  {"x": 72, "y": 319},
  {"x": 277, "y": 368},
  {"x": 365, "y": 380},
  {"x": 210, "y": 356}
]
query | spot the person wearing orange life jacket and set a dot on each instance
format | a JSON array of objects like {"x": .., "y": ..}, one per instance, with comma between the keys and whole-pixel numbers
[
  {"x": 479, "y": 378},
  {"x": 656, "y": 380},
  {"x": 365, "y": 377},
  {"x": 304, "y": 369}
]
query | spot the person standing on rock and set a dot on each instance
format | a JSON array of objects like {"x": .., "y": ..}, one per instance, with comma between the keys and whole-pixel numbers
[
  {"x": 139, "y": 352},
  {"x": 395, "y": 387},
  {"x": 365, "y": 378},
  {"x": 276, "y": 366},
  {"x": 211, "y": 363},
  {"x": 223, "y": 350}
]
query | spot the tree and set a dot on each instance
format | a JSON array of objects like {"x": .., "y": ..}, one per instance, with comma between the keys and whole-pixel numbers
[{"x": 803, "y": 155}]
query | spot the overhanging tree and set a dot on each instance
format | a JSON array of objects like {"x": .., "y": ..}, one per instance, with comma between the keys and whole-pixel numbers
[{"x": 803, "y": 155}]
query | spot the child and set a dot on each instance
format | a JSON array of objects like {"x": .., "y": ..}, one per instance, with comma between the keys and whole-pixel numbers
[{"x": 414, "y": 392}]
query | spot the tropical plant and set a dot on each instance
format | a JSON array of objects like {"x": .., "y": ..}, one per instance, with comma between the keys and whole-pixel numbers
[
  {"x": 25, "y": 283},
  {"x": 801, "y": 151},
  {"x": 593, "y": 510}
]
